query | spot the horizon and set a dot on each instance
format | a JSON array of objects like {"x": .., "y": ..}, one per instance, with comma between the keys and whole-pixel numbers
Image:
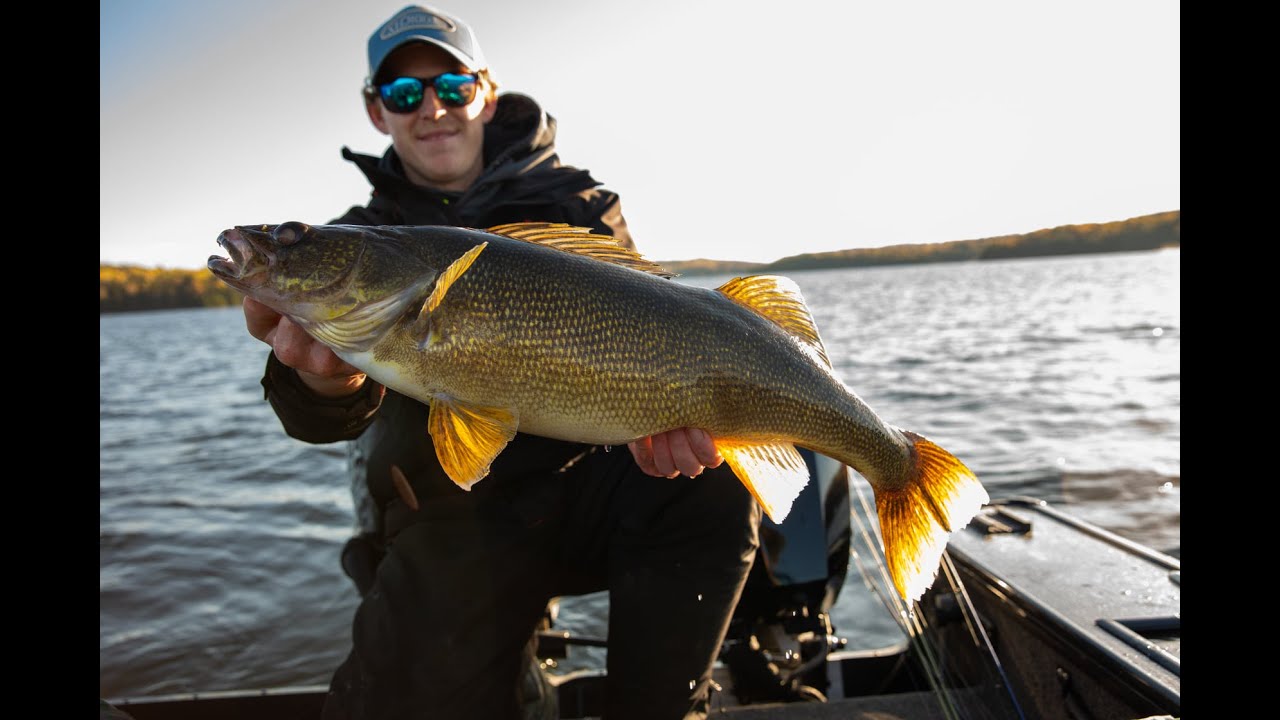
[
  {"x": 921, "y": 124},
  {"x": 761, "y": 262}
]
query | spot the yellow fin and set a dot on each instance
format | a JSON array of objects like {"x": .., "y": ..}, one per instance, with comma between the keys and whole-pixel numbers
[
  {"x": 778, "y": 298},
  {"x": 421, "y": 327},
  {"x": 775, "y": 474},
  {"x": 580, "y": 241},
  {"x": 449, "y": 277},
  {"x": 916, "y": 520},
  {"x": 468, "y": 438}
]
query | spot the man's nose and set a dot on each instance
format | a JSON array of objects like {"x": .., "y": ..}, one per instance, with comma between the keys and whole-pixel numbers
[{"x": 432, "y": 106}]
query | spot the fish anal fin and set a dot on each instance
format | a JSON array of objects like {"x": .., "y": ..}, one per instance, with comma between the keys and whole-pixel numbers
[
  {"x": 468, "y": 438},
  {"x": 580, "y": 241},
  {"x": 775, "y": 474},
  {"x": 917, "y": 520},
  {"x": 778, "y": 298}
]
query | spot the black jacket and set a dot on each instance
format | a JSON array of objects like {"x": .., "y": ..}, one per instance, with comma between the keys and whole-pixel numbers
[{"x": 523, "y": 179}]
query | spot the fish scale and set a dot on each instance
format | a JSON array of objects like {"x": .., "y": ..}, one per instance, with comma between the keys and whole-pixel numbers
[{"x": 551, "y": 330}]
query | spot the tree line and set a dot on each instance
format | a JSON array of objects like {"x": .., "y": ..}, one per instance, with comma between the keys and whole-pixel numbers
[
  {"x": 1147, "y": 232},
  {"x": 124, "y": 288}
]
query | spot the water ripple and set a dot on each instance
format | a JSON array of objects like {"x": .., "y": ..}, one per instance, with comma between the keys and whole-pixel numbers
[{"x": 219, "y": 536}]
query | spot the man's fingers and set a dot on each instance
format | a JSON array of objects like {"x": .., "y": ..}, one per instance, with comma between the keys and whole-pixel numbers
[
  {"x": 704, "y": 447},
  {"x": 260, "y": 319},
  {"x": 686, "y": 451},
  {"x": 642, "y": 451},
  {"x": 662, "y": 456},
  {"x": 295, "y": 348},
  {"x": 682, "y": 456}
]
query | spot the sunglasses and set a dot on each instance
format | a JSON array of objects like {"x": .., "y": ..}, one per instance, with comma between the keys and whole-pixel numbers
[{"x": 405, "y": 94}]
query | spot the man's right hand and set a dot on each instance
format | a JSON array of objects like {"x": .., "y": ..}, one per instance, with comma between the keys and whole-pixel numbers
[{"x": 317, "y": 366}]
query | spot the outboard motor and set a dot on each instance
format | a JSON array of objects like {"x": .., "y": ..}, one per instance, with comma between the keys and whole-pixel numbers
[{"x": 780, "y": 634}]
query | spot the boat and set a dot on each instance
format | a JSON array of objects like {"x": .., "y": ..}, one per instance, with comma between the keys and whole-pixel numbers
[{"x": 1035, "y": 614}]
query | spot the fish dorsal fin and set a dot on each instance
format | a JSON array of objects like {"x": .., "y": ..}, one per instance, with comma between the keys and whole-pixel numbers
[
  {"x": 580, "y": 241},
  {"x": 778, "y": 298},
  {"x": 775, "y": 474},
  {"x": 468, "y": 438}
]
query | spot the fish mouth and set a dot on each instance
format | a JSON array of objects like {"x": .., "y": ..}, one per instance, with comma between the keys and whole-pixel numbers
[{"x": 244, "y": 260}]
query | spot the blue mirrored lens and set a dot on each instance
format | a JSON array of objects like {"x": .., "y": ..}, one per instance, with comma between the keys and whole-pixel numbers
[
  {"x": 455, "y": 89},
  {"x": 402, "y": 94}
]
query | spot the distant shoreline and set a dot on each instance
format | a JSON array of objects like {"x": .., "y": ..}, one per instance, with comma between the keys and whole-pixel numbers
[
  {"x": 127, "y": 288},
  {"x": 1146, "y": 232}
]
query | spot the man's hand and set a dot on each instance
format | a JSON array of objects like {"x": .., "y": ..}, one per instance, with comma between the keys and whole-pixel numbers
[
  {"x": 317, "y": 366},
  {"x": 685, "y": 451}
]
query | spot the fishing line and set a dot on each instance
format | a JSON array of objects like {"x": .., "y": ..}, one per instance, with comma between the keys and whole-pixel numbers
[
  {"x": 971, "y": 621},
  {"x": 896, "y": 607},
  {"x": 915, "y": 625}
]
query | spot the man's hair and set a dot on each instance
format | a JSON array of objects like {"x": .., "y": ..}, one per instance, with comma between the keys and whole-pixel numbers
[{"x": 488, "y": 85}]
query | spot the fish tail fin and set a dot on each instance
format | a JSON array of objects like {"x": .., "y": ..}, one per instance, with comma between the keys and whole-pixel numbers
[{"x": 940, "y": 496}]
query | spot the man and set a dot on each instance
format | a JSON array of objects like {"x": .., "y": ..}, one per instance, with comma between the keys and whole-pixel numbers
[{"x": 454, "y": 583}]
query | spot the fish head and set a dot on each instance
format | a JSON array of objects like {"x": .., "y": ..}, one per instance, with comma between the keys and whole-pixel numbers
[
  {"x": 348, "y": 286},
  {"x": 317, "y": 273}
]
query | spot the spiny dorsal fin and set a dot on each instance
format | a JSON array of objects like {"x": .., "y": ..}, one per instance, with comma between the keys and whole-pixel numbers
[
  {"x": 580, "y": 241},
  {"x": 779, "y": 299}
]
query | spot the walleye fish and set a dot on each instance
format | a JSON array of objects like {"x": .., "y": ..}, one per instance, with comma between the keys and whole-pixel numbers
[{"x": 552, "y": 330}]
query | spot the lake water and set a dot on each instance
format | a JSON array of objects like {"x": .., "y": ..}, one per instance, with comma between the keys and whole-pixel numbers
[{"x": 219, "y": 535}]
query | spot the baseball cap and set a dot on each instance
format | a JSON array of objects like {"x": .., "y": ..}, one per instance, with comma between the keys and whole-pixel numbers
[{"x": 426, "y": 24}]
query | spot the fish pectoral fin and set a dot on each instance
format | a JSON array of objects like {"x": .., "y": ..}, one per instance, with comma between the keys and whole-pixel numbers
[
  {"x": 775, "y": 474},
  {"x": 468, "y": 438},
  {"x": 447, "y": 278},
  {"x": 939, "y": 497}
]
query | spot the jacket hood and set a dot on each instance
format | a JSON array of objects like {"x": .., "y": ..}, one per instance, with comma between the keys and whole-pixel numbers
[{"x": 521, "y": 164}]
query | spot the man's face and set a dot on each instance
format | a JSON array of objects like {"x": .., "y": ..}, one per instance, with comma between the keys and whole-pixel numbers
[{"x": 441, "y": 146}]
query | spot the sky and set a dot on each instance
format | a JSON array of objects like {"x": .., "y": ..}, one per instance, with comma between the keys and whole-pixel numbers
[{"x": 731, "y": 129}]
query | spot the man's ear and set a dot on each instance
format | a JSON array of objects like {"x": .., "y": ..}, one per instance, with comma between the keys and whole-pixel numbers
[
  {"x": 375, "y": 111},
  {"x": 490, "y": 109}
]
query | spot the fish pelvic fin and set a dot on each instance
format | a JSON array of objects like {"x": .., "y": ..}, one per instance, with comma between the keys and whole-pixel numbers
[
  {"x": 775, "y": 474},
  {"x": 580, "y": 241},
  {"x": 916, "y": 520},
  {"x": 468, "y": 438},
  {"x": 778, "y": 298}
]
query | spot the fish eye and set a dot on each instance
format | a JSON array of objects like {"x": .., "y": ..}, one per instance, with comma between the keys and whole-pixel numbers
[{"x": 290, "y": 232}]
